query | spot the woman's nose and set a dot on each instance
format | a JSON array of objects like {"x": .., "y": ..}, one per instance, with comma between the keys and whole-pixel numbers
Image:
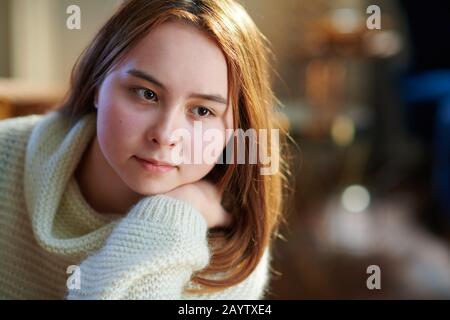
[{"x": 163, "y": 131}]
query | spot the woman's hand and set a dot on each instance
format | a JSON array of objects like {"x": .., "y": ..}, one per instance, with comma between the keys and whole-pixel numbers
[{"x": 205, "y": 197}]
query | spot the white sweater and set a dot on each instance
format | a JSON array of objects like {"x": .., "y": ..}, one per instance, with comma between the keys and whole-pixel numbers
[{"x": 48, "y": 230}]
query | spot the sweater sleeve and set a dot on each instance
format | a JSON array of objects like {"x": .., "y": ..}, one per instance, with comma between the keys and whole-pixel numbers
[{"x": 150, "y": 254}]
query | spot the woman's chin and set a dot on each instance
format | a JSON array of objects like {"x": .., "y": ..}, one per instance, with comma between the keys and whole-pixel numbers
[{"x": 151, "y": 189}]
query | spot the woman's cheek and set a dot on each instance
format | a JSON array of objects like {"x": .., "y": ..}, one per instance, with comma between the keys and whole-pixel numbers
[{"x": 118, "y": 130}]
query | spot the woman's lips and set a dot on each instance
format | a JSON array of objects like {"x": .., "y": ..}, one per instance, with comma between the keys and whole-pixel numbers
[{"x": 154, "y": 166}]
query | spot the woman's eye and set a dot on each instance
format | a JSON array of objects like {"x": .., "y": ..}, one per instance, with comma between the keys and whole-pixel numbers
[
  {"x": 203, "y": 111},
  {"x": 146, "y": 94}
]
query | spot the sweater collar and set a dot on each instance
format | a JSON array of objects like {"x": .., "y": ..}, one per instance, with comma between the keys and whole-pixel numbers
[{"x": 62, "y": 221}]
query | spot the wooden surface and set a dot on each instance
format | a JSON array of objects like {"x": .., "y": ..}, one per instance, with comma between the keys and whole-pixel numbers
[{"x": 18, "y": 98}]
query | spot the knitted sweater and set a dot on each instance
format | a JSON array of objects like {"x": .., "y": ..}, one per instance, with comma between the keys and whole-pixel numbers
[{"x": 53, "y": 245}]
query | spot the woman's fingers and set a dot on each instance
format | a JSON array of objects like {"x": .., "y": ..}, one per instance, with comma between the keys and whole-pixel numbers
[
  {"x": 213, "y": 201},
  {"x": 206, "y": 198}
]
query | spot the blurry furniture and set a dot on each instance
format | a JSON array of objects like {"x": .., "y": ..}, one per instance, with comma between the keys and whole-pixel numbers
[
  {"x": 5, "y": 109},
  {"x": 20, "y": 98}
]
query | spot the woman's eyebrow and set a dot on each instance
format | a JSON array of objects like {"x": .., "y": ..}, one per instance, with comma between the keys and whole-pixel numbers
[
  {"x": 145, "y": 76},
  {"x": 211, "y": 97},
  {"x": 149, "y": 78}
]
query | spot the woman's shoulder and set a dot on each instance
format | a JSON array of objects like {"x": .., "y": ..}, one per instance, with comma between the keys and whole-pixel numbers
[
  {"x": 13, "y": 126},
  {"x": 14, "y": 132}
]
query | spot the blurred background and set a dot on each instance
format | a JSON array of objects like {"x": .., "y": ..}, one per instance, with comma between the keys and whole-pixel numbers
[{"x": 366, "y": 96}]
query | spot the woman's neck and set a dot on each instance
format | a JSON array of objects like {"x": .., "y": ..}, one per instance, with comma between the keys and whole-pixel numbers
[{"x": 101, "y": 187}]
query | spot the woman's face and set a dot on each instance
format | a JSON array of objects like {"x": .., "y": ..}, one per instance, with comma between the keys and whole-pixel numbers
[{"x": 173, "y": 79}]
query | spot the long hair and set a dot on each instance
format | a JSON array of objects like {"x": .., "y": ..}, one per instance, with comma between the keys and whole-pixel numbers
[{"x": 257, "y": 201}]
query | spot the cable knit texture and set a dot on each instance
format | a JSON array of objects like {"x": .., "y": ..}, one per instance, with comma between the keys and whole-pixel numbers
[{"x": 53, "y": 245}]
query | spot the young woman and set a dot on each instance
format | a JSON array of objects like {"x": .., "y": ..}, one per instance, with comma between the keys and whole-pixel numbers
[{"x": 93, "y": 204}]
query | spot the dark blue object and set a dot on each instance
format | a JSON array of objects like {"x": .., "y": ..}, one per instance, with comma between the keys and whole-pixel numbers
[{"x": 434, "y": 86}]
